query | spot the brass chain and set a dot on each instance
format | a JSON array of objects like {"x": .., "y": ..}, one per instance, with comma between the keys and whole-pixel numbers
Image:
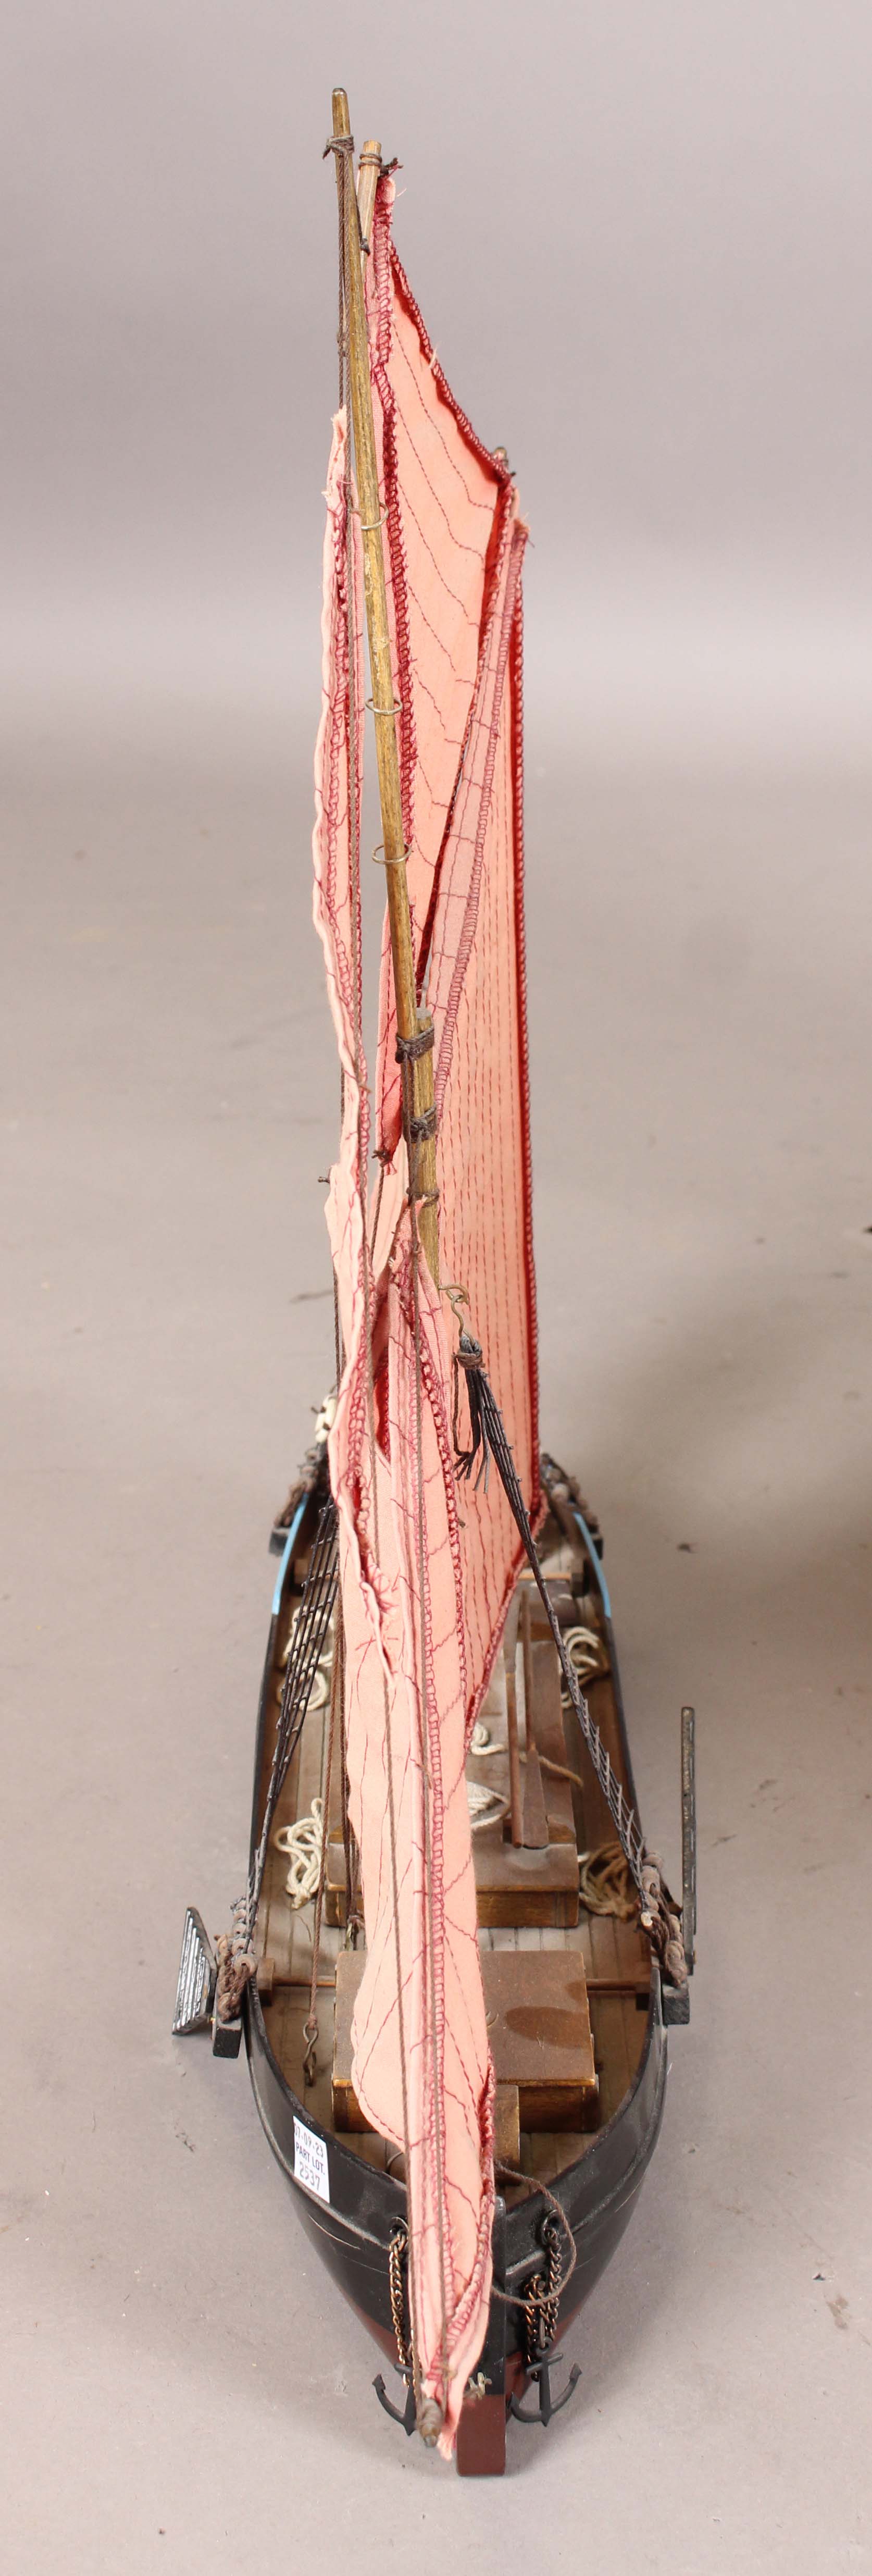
[
  {"x": 396, "y": 2251},
  {"x": 542, "y": 2304}
]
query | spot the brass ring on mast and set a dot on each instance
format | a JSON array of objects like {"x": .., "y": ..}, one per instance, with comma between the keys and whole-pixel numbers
[{"x": 400, "y": 856}]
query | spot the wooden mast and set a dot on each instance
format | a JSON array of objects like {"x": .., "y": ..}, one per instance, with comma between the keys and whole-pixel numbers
[
  {"x": 368, "y": 167},
  {"x": 409, "y": 1020}
]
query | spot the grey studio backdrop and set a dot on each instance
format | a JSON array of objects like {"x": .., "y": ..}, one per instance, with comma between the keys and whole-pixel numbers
[{"x": 640, "y": 235}]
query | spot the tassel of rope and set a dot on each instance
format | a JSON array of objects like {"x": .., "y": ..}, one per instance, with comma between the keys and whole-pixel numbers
[{"x": 468, "y": 1357}]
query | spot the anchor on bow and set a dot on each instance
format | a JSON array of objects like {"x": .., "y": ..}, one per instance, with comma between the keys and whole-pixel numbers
[
  {"x": 540, "y": 2371},
  {"x": 542, "y": 2309},
  {"x": 406, "y": 2415}
]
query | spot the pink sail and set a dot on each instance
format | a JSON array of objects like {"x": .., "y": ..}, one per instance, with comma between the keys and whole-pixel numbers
[{"x": 426, "y": 1578}]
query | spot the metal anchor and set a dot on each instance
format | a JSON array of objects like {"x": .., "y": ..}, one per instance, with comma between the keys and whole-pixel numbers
[
  {"x": 548, "y": 2405},
  {"x": 407, "y": 2415}
]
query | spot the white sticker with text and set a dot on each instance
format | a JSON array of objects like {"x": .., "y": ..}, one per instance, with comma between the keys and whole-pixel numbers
[{"x": 310, "y": 2160}]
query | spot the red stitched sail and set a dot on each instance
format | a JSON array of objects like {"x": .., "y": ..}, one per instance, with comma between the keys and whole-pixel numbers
[
  {"x": 425, "y": 1587},
  {"x": 455, "y": 544}
]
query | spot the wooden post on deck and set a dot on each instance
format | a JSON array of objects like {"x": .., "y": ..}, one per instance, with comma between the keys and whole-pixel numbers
[{"x": 422, "y": 1157}]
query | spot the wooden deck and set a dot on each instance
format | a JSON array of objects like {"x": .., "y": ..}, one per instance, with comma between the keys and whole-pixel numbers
[{"x": 614, "y": 1955}]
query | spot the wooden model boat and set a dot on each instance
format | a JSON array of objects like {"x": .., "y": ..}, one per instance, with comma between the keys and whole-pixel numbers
[{"x": 455, "y": 1960}]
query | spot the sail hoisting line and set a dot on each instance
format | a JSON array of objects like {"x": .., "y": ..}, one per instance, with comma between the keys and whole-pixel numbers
[{"x": 657, "y": 1914}]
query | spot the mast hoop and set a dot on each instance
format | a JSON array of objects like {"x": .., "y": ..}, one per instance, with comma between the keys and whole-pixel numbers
[{"x": 380, "y": 857}]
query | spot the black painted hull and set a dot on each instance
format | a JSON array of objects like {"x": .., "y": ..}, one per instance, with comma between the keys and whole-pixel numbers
[
  {"x": 351, "y": 2229},
  {"x": 352, "y": 2232}
]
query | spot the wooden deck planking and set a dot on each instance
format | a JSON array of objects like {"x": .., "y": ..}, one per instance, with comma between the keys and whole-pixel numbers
[{"x": 609, "y": 1949}]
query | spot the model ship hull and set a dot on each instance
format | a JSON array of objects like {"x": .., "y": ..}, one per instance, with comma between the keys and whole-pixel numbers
[
  {"x": 350, "y": 2201},
  {"x": 352, "y": 2235},
  {"x": 454, "y": 1956}
]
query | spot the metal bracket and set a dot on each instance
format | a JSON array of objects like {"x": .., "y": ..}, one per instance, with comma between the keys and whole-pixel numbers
[
  {"x": 226, "y": 2036},
  {"x": 196, "y": 1991},
  {"x": 198, "y": 1978},
  {"x": 675, "y": 2006},
  {"x": 540, "y": 2372},
  {"x": 407, "y": 2415}
]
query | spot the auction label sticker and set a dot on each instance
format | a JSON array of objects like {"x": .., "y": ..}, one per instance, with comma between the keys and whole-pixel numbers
[{"x": 310, "y": 2160}]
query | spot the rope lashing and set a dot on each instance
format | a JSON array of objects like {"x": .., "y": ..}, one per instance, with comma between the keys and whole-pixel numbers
[
  {"x": 235, "y": 1958},
  {"x": 423, "y": 1126},
  {"x": 339, "y": 143},
  {"x": 409, "y": 1049}
]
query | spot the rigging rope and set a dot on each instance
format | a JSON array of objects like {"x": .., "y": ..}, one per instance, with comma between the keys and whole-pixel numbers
[
  {"x": 585, "y": 1652},
  {"x": 311, "y": 1624},
  {"x": 428, "y": 2413},
  {"x": 604, "y": 1883},
  {"x": 658, "y": 1915},
  {"x": 485, "y": 1804},
  {"x": 310, "y": 2025}
]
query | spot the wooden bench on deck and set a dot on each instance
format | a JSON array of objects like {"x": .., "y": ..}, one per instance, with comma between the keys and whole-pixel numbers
[{"x": 540, "y": 2041}]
